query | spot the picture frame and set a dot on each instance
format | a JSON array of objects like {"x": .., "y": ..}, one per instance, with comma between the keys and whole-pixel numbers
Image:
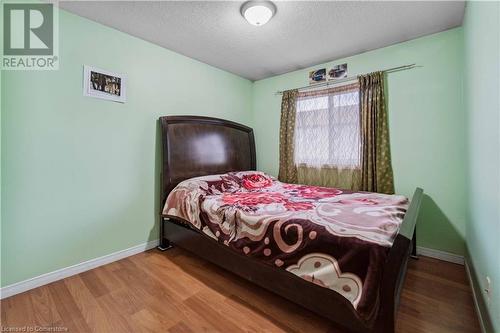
[
  {"x": 104, "y": 84},
  {"x": 317, "y": 76},
  {"x": 337, "y": 72}
]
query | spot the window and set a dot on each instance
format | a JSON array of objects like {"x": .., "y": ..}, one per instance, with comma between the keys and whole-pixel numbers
[{"x": 327, "y": 129}]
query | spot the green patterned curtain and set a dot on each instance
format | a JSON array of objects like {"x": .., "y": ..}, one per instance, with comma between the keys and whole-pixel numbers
[
  {"x": 375, "y": 151},
  {"x": 288, "y": 170}
]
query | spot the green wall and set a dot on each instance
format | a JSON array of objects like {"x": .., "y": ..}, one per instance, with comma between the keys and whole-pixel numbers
[
  {"x": 427, "y": 123},
  {"x": 482, "y": 101},
  {"x": 78, "y": 173}
]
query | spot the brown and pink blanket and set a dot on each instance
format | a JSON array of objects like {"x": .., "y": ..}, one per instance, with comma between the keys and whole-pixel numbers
[{"x": 335, "y": 238}]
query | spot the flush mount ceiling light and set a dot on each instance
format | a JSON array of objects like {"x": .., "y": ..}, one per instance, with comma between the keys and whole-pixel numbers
[{"x": 258, "y": 12}]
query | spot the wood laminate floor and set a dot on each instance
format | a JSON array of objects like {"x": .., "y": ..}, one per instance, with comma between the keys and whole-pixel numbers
[{"x": 176, "y": 292}]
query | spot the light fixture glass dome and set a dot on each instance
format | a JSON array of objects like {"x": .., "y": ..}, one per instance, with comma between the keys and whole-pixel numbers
[{"x": 258, "y": 12}]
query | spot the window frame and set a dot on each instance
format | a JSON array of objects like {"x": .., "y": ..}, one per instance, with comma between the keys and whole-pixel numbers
[{"x": 331, "y": 161}]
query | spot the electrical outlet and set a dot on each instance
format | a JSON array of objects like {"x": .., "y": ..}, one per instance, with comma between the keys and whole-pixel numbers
[{"x": 488, "y": 290}]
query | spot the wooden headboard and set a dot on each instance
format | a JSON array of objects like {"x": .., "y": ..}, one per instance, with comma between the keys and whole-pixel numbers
[{"x": 198, "y": 146}]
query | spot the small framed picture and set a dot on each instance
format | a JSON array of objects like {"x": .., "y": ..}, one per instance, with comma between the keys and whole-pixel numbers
[
  {"x": 317, "y": 76},
  {"x": 337, "y": 72},
  {"x": 100, "y": 83}
]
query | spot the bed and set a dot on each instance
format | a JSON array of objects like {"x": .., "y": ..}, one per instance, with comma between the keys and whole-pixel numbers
[{"x": 338, "y": 253}]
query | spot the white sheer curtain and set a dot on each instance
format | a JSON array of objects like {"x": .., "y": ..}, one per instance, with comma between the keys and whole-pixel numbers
[{"x": 327, "y": 137}]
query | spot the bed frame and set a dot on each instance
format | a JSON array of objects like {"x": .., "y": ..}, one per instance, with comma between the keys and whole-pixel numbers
[{"x": 197, "y": 146}]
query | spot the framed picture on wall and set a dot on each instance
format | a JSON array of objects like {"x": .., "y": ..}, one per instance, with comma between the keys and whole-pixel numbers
[
  {"x": 337, "y": 72},
  {"x": 317, "y": 76},
  {"x": 100, "y": 83}
]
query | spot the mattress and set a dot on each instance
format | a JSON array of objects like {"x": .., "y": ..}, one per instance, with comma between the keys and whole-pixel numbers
[{"x": 334, "y": 238}]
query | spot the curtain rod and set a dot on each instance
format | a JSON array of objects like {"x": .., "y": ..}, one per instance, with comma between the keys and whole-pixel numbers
[{"x": 351, "y": 78}]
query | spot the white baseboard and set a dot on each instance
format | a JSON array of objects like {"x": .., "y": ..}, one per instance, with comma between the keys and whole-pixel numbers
[
  {"x": 441, "y": 255},
  {"x": 62, "y": 273},
  {"x": 474, "y": 296}
]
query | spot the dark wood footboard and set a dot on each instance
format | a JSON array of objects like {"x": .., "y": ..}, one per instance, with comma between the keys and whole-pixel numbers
[{"x": 395, "y": 268}]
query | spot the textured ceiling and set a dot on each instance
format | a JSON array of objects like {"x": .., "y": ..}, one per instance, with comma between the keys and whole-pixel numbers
[{"x": 302, "y": 34}]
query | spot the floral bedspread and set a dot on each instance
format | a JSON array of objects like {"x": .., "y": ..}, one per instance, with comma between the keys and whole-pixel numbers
[{"x": 335, "y": 238}]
